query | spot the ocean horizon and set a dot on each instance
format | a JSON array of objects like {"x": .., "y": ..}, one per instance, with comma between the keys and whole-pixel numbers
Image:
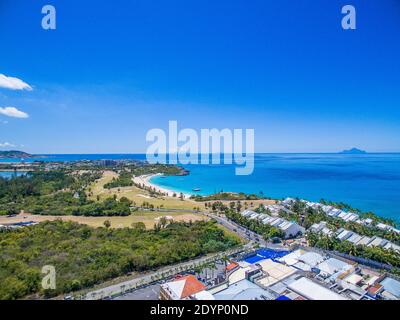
[{"x": 369, "y": 182}]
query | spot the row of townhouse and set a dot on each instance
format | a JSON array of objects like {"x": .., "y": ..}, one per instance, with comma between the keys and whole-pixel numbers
[
  {"x": 341, "y": 214},
  {"x": 290, "y": 229},
  {"x": 355, "y": 238}
]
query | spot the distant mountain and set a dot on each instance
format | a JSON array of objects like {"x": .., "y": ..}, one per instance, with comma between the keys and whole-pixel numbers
[
  {"x": 353, "y": 151},
  {"x": 15, "y": 154}
]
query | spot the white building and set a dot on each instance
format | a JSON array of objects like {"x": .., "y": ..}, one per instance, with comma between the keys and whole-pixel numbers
[
  {"x": 311, "y": 259},
  {"x": 313, "y": 291},
  {"x": 247, "y": 213},
  {"x": 288, "y": 201},
  {"x": 364, "y": 241},
  {"x": 343, "y": 234},
  {"x": 321, "y": 228},
  {"x": 393, "y": 246},
  {"x": 355, "y": 238},
  {"x": 290, "y": 229},
  {"x": 333, "y": 266},
  {"x": 377, "y": 242}
]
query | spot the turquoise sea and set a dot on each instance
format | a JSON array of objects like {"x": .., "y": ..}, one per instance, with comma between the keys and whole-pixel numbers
[
  {"x": 9, "y": 174},
  {"x": 370, "y": 182}
]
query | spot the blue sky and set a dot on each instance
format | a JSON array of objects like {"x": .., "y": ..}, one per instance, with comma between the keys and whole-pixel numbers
[{"x": 112, "y": 71}]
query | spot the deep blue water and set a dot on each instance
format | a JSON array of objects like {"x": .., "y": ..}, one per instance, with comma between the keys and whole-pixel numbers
[{"x": 369, "y": 182}]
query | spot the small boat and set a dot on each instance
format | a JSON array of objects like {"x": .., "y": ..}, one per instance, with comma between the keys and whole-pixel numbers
[{"x": 196, "y": 189}]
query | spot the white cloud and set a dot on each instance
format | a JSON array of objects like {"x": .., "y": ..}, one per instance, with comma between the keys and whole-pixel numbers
[
  {"x": 13, "y": 83},
  {"x": 6, "y": 145},
  {"x": 13, "y": 112}
]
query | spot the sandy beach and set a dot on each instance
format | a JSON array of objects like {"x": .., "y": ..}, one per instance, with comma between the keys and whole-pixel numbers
[{"x": 145, "y": 180}]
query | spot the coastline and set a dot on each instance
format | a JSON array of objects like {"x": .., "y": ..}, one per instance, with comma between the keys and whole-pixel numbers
[
  {"x": 350, "y": 179},
  {"x": 15, "y": 170},
  {"x": 145, "y": 180}
]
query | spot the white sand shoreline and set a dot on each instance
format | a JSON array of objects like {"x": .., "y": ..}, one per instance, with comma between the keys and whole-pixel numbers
[{"x": 145, "y": 180}]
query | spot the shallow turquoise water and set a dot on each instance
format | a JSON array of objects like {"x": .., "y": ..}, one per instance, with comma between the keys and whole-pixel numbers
[
  {"x": 9, "y": 174},
  {"x": 369, "y": 182}
]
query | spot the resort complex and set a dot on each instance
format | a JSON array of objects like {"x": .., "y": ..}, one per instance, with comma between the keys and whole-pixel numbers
[
  {"x": 298, "y": 274},
  {"x": 202, "y": 158},
  {"x": 168, "y": 245},
  {"x": 296, "y": 271}
]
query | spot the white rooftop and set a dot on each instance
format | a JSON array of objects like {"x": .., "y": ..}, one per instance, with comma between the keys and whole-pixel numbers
[
  {"x": 203, "y": 295},
  {"x": 332, "y": 265},
  {"x": 293, "y": 257},
  {"x": 313, "y": 291},
  {"x": 311, "y": 258}
]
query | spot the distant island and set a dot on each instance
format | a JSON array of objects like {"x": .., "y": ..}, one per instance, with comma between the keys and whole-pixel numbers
[
  {"x": 15, "y": 154},
  {"x": 353, "y": 151}
]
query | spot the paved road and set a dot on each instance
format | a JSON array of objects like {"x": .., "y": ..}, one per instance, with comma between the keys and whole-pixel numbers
[
  {"x": 243, "y": 232},
  {"x": 162, "y": 273},
  {"x": 165, "y": 210},
  {"x": 239, "y": 230},
  {"x": 151, "y": 292},
  {"x": 142, "y": 282}
]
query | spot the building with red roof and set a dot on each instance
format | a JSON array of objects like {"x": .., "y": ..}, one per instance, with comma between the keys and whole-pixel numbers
[
  {"x": 232, "y": 266},
  {"x": 181, "y": 288}
]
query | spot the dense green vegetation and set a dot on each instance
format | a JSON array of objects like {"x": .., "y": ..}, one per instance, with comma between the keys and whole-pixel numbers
[
  {"x": 59, "y": 203},
  {"x": 56, "y": 193},
  {"x": 265, "y": 230},
  {"x": 347, "y": 207},
  {"x": 226, "y": 196},
  {"x": 124, "y": 180},
  {"x": 14, "y": 154},
  {"x": 232, "y": 212},
  {"x": 15, "y": 191},
  {"x": 306, "y": 217},
  {"x": 67, "y": 203},
  {"x": 166, "y": 169},
  {"x": 108, "y": 207},
  {"x": 63, "y": 191},
  {"x": 84, "y": 256},
  {"x": 378, "y": 254},
  {"x": 33, "y": 184}
]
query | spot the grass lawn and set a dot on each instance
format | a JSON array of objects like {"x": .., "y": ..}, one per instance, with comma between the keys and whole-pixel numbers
[
  {"x": 138, "y": 196},
  {"x": 147, "y": 217}
]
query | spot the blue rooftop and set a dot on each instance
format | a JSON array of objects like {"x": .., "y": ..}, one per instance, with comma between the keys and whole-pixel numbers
[
  {"x": 262, "y": 254},
  {"x": 392, "y": 286}
]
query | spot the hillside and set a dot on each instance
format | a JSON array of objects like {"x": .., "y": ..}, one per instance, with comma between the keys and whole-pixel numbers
[
  {"x": 15, "y": 154},
  {"x": 353, "y": 151}
]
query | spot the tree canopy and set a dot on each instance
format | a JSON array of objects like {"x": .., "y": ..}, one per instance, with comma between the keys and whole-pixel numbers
[{"x": 85, "y": 256}]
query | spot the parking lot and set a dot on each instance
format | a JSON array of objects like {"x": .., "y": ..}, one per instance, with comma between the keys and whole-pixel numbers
[{"x": 151, "y": 292}]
